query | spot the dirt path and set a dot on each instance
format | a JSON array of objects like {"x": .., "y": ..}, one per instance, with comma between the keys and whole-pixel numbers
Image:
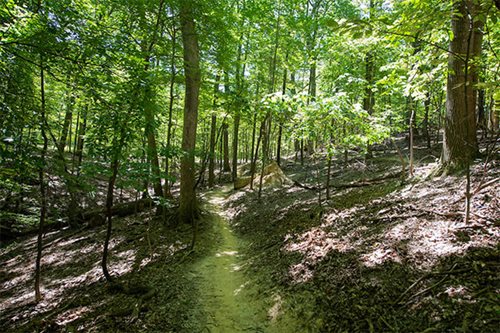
[{"x": 226, "y": 296}]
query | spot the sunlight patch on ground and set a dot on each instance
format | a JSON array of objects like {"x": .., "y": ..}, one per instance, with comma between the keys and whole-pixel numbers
[
  {"x": 314, "y": 244},
  {"x": 379, "y": 256},
  {"x": 421, "y": 224},
  {"x": 235, "y": 267},
  {"x": 71, "y": 315},
  {"x": 226, "y": 253},
  {"x": 275, "y": 311},
  {"x": 125, "y": 262},
  {"x": 240, "y": 288},
  {"x": 18, "y": 300},
  {"x": 61, "y": 258}
]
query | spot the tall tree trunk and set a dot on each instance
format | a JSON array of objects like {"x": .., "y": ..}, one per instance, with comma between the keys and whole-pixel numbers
[
  {"x": 213, "y": 130},
  {"x": 173, "y": 74},
  {"x": 236, "y": 129},
  {"x": 152, "y": 150},
  {"x": 330, "y": 157},
  {"x": 460, "y": 143},
  {"x": 187, "y": 208},
  {"x": 369, "y": 98},
  {"x": 43, "y": 190},
  {"x": 211, "y": 157},
  {"x": 280, "y": 124},
  {"x": 252, "y": 147},
  {"x": 237, "y": 115},
  {"x": 75, "y": 141},
  {"x": 411, "y": 126},
  {"x": 266, "y": 123}
]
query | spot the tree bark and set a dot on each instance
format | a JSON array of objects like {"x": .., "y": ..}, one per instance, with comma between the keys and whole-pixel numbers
[
  {"x": 211, "y": 157},
  {"x": 280, "y": 123},
  {"x": 43, "y": 190},
  {"x": 170, "y": 113},
  {"x": 427, "y": 103},
  {"x": 109, "y": 214},
  {"x": 152, "y": 150},
  {"x": 225, "y": 139},
  {"x": 80, "y": 141},
  {"x": 213, "y": 130},
  {"x": 187, "y": 208},
  {"x": 66, "y": 125},
  {"x": 150, "y": 134},
  {"x": 460, "y": 143}
]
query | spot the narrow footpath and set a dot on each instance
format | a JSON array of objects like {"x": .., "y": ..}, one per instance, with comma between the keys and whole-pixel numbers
[{"x": 225, "y": 292}]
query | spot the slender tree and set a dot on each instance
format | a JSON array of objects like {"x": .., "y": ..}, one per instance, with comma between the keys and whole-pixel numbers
[{"x": 43, "y": 187}]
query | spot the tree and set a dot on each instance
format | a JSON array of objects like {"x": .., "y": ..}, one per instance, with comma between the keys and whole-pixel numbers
[
  {"x": 187, "y": 207},
  {"x": 43, "y": 185},
  {"x": 460, "y": 142}
]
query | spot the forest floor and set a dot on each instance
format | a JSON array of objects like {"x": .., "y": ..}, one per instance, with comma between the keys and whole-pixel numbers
[{"x": 381, "y": 255}]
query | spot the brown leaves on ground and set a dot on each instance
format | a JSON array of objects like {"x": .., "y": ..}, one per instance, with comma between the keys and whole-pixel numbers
[{"x": 360, "y": 251}]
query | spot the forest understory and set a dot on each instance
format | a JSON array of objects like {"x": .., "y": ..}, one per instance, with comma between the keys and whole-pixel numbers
[{"x": 382, "y": 254}]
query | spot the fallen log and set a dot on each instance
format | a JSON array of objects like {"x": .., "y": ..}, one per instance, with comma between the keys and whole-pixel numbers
[
  {"x": 97, "y": 216},
  {"x": 93, "y": 218}
]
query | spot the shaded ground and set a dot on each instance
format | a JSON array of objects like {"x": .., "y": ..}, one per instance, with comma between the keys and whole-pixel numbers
[
  {"x": 384, "y": 256},
  {"x": 146, "y": 256}
]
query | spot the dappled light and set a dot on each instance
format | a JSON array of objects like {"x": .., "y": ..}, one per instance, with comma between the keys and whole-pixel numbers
[{"x": 249, "y": 166}]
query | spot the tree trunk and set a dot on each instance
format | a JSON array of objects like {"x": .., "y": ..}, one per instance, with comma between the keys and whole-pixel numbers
[
  {"x": 426, "y": 131},
  {"x": 369, "y": 98},
  {"x": 109, "y": 214},
  {"x": 252, "y": 147},
  {"x": 460, "y": 143},
  {"x": 66, "y": 125},
  {"x": 411, "y": 126},
  {"x": 187, "y": 208},
  {"x": 211, "y": 157},
  {"x": 330, "y": 157},
  {"x": 80, "y": 141},
  {"x": 152, "y": 150},
  {"x": 253, "y": 166},
  {"x": 173, "y": 74},
  {"x": 225, "y": 139},
  {"x": 237, "y": 116},
  {"x": 494, "y": 113},
  {"x": 75, "y": 140},
  {"x": 280, "y": 124},
  {"x": 43, "y": 190},
  {"x": 236, "y": 125},
  {"x": 150, "y": 134},
  {"x": 481, "y": 112}
]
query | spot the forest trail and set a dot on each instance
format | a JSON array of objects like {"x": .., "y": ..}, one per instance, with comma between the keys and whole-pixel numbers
[{"x": 225, "y": 294}]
